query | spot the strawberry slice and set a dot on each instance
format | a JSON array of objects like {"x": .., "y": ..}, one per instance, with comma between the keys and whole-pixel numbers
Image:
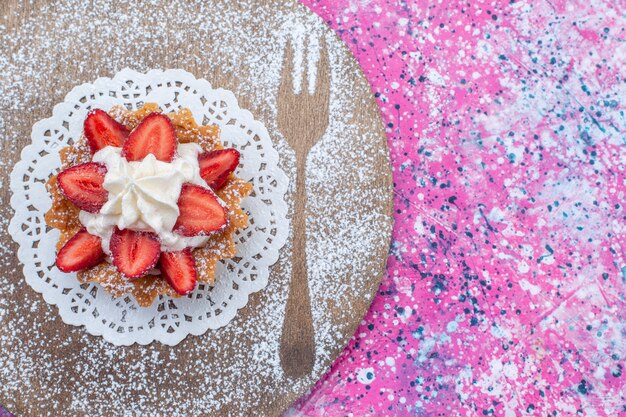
[
  {"x": 179, "y": 269},
  {"x": 216, "y": 166},
  {"x": 200, "y": 212},
  {"x": 83, "y": 185},
  {"x": 102, "y": 130},
  {"x": 82, "y": 251},
  {"x": 134, "y": 253},
  {"x": 154, "y": 135}
]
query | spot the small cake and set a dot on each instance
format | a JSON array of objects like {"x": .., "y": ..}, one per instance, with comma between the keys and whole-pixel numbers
[{"x": 146, "y": 203}]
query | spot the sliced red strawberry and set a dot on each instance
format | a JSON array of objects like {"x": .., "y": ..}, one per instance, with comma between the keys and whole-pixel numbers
[
  {"x": 83, "y": 185},
  {"x": 134, "y": 253},
  {"x": 179, "y": 269},
  {"x": 154, "y": 135},
  {"x": 216, "y": 166},
  {"x": 102, "y": 130},
  {"x": 82, "y": 251},
  {"x": 200, "y": 212}
]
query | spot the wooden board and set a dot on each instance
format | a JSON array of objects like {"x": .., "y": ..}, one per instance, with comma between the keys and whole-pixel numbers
[{"x": 230, "y": 45}]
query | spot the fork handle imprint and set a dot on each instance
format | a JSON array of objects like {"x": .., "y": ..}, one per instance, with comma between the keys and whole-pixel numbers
[{"x": 297, "y": 344}]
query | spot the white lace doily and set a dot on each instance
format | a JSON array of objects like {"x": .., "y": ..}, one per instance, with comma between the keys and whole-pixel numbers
[{"x": 169, "y": 320}]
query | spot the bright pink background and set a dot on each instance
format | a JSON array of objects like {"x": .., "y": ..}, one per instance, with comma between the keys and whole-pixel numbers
[{"x": 505, "y": 291}]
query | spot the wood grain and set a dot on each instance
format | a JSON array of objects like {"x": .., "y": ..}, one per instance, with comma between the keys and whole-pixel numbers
[{"x": 71, "y": 343}]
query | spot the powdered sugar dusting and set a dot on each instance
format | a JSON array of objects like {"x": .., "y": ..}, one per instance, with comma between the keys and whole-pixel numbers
[{"x": 206, "y": 374}]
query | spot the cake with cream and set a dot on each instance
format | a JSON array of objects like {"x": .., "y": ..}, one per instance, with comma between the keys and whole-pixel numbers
[{"x": 146, "y": 203}]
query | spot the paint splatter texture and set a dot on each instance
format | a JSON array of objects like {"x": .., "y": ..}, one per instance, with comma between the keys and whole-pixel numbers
[{"x": 506, "y": 284}]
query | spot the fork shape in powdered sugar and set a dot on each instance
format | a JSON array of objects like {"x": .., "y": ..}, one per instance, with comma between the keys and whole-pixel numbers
[{"x": 302, "y": 119}]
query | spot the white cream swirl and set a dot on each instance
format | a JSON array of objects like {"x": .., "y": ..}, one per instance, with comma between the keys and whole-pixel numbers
[{"x": 143, "y": 195}]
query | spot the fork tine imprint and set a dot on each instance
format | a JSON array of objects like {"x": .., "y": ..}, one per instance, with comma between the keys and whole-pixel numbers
[
  {"x": 322, "y": 82},
  {"x": 286, "y": 80}
]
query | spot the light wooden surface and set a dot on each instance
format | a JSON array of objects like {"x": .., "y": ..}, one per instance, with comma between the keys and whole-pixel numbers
[{"x": 32, "y": 311}]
